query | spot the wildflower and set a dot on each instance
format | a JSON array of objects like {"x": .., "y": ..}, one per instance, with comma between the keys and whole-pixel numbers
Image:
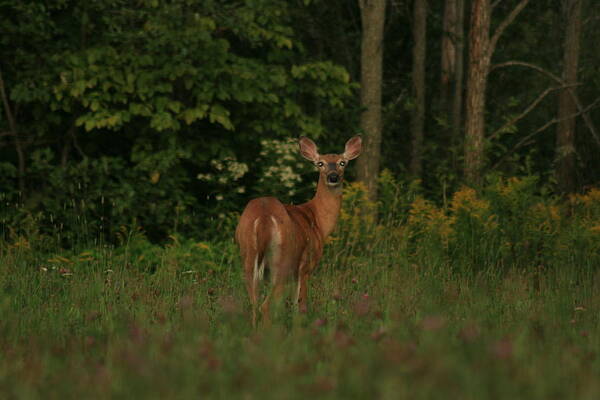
[
  {"x": 230, "y": 305},
  {"x": 469, "y": 332},
  {"x": 342, "y": 339},
  {"x": 425, "y": 217},
  {"x": 433, "y": 323},
  {"x": 502, "y": 349},
  {"x": 466, "y": 199},
  {"x": 378, "y": 334},
  {"x": 363, "y": 306},
  {"x": 205, "y": 177},
  {"x": 320, "y": 322}
]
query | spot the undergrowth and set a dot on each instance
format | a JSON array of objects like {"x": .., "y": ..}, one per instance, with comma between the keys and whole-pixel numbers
[{"x": 492, "y": 295}]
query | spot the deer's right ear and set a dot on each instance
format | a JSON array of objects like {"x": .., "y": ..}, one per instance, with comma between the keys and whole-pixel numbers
[{"x": 308, "y": 149}]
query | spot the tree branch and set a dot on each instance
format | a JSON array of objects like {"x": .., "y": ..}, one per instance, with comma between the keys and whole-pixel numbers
[
  {"x": 13, "y": 129},
  {"x": 75, "y": 143},
  {"x": 7, "y": 108},
  {"x": 553, "y": 121},
  {"x": 495, "y": 4},
  {"x": 529, "y": 65},
  {"x": 527, "y": 110},
  {"x": 504, "y": 24},
  {"x": 586, "y": 117}
]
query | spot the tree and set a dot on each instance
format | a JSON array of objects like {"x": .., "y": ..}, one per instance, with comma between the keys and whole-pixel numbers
[
  {"x": 452, "y": 65},
  {"x": 481, "y": 50},
  {"x": 418, "y": 75},
  {"x": 120, "y": 96},
  {"x": 457, "y": 98},
  {"x": 448, "y": 52},
  {"x": 372, "y": 18},
  {"x": 567, "y": 108}
]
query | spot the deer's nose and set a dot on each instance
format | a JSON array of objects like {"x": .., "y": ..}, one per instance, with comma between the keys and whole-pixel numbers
[{"x": 333, "y": 178}]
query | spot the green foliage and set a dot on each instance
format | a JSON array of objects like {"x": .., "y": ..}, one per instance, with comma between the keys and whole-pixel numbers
[
  {"x": 507, "y": 224},
  {"x": 144, "y": 320},
  {"x": 505, "y": 278},
  {"x": 140, "y": 102},
  {"x": 89, "y": 201},
  {"x": 131, "y": 104}
]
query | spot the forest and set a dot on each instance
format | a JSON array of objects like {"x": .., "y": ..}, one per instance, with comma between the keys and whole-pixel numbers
[
  {"x": 465, "y": 261},
  {"x": 189, "y": 105}
]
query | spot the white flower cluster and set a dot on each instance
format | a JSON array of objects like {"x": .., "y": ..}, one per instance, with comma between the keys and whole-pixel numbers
[
  {"x": 227, "y": 171},
  {"x": 281, "y": 156}
]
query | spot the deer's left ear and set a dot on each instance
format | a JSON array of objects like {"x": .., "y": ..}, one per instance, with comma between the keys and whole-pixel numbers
[
  {"x": 353, "y": 147},
  {"x": 308, "y": 149}
]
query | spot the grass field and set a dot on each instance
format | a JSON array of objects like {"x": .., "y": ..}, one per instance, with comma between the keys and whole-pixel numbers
[{"x": 400, "y": 314}]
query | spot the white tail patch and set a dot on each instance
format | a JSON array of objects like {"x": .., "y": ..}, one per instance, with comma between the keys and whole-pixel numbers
[
  {"x": 298, "y": 292},
  {"x": 255, "y": 236},
  {"x": 259, "y": 270},
  {"x": 274, "y": 247}
]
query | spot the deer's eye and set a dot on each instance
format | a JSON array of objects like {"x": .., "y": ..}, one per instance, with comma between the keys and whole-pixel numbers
[
  {"x": 320, "y": 164},
  {"x": 342, "y": 163}
]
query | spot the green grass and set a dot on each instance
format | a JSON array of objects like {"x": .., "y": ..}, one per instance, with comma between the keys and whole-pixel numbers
[
  {"x": 113, "y": 324},
  {"x": 494, "y": 295}
]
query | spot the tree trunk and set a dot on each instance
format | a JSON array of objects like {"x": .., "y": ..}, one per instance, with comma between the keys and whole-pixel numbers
[
  {"x": 12, "y": 124},
  {"x": 373, "y": 17},
  {"x": 479, "y": 65},
  {"x": 448, "y": 61},
  {"x": 481, "y": 49},
  {"x": 418, "y": 72},
  {"x": 565, "y": 133},
  {"x": 457, "y": 98}
]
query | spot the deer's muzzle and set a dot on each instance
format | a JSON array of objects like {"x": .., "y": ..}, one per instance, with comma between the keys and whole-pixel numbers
[{"x": 333, "y": 178}]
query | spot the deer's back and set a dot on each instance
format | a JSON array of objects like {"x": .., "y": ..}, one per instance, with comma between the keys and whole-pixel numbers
[{"x": 295, "y": 228}]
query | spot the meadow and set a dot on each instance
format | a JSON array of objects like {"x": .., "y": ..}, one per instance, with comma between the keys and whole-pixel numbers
[{"x": 490, "y": 294}]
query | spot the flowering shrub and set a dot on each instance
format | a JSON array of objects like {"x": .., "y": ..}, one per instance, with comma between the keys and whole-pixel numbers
[
  {"x": 507, "y": 223},
  {"x": 282, "y": 168},
  {"x": 226, "y": 172},
  {"x": 428, "y": 221}
]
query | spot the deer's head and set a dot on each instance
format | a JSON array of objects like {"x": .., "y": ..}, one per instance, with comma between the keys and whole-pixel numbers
[{"x": 331, "y": 166}]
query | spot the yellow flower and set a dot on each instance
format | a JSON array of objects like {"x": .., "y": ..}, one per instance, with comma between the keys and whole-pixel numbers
[
  {"x": 425, "y": 217},
  {"x": 466, "y": 199},
  {"x": 595, "y": 228}
]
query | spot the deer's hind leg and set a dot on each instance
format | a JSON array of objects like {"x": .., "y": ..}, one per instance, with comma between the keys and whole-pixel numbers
[
  {"x": 302, "y": 289},
  {"x": 254, "y": 266},
  {"x": 281, "y": 271}
]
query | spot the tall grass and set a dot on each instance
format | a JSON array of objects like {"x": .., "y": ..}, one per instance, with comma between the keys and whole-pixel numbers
[{"x": 494, "y": 295}]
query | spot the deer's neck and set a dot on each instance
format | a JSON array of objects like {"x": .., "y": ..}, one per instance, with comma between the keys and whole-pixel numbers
[{"x": 326, "y": 206}]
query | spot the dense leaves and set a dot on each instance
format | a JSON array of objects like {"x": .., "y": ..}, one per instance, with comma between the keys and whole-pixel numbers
[
  {"x": 169, "y": 115},
  {"x": 136, "y": 100}
]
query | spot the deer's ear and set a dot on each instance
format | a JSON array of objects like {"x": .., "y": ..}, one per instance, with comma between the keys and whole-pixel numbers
[
  {"x": 353, "y": 147},
  {"x": 308, "y": 149}
]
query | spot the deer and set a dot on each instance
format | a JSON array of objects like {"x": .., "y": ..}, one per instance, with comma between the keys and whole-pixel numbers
[{"x": 288, "y": 239}]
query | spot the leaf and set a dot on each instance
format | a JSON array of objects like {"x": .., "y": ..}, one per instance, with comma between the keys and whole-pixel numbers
[
  {"x": 192, "y": 114},
  {"x": 220, "y": 115},
  {"x": 174, "y": 106}
]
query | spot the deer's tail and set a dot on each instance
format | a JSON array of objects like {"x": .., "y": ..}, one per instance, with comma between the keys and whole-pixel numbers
[{"x": 261, "y": 238}]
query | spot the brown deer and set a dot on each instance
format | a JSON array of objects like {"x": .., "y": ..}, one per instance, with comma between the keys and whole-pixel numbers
[{"x": 288, "y": 239}]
